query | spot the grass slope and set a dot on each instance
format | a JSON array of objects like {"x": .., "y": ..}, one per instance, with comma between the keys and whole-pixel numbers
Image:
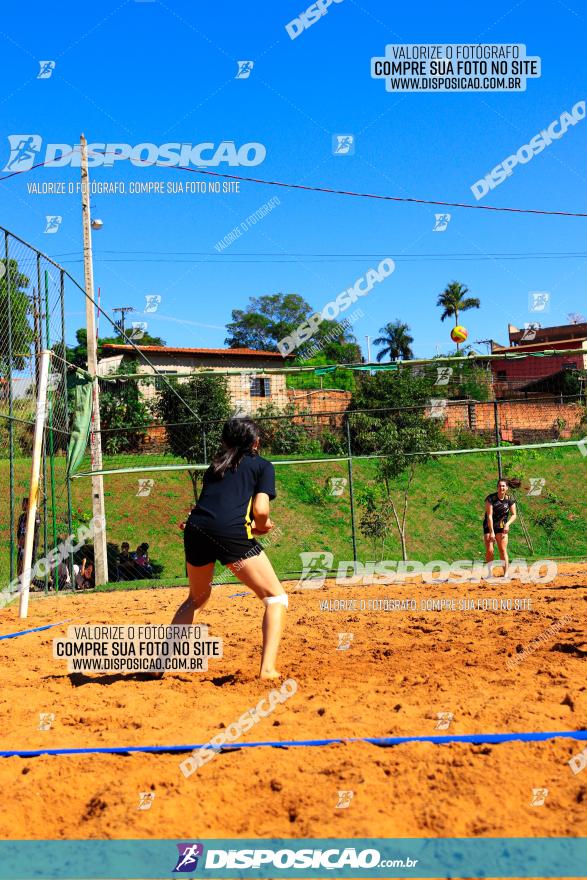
[{"x": 444, "y": 513}]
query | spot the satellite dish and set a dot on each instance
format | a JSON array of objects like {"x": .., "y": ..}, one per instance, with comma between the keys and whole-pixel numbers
[{"x": 97, "y": 224}]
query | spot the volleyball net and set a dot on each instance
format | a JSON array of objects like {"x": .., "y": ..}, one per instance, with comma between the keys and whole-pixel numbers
[
  {"x": 373, "y": 461},
  {"x": 355, "y": 478}
]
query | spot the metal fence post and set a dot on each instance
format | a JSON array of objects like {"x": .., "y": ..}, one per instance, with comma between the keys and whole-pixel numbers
[
  {"x": 50, "y": 427},
  {"x": 41, "y": 344},
  {"x": 66, "y": 405},
  {"x": 10, "y": 404},
  {"x": 351, "y": 485},
  {"x": 497, "y": 436}
]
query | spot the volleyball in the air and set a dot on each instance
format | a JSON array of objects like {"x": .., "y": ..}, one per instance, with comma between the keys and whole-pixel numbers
[{"x": 458, "y": 333}]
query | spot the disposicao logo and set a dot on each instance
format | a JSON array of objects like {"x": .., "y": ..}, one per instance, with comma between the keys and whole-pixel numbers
[
  {"x": 187, "y": 860},
  {"x": 25, "y": 151}
]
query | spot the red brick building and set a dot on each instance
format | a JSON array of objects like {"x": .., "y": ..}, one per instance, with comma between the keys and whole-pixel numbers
[{"x": 512, "y": 374}]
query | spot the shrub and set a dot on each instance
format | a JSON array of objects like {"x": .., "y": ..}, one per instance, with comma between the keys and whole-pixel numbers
[
  {"x": 284, "y": 436},
  {"x": 331, "y": 443}
]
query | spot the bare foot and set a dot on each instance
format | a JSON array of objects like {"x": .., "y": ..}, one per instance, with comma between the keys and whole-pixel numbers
[{"x": 270, "y": 674}]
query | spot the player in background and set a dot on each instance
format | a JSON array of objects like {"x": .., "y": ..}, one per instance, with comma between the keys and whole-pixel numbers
[{"x": 500, "y": 514}]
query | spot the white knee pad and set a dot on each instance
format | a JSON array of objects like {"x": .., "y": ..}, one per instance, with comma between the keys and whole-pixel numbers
[{"x": 280, "y": 600}]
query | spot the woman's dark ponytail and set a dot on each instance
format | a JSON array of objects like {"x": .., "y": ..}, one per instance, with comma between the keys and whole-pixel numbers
[{"x": 238, "y": 437}]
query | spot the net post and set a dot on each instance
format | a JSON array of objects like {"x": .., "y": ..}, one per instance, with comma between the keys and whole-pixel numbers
[
  {"x": 40, "y": 347},
  {"x": 497, "y": 437},
  {"x": 66, "y": 410},
  {"x": 351, "y": 485},
  {"x": 10, "y": 402},
  {"x": 50, "y": 426},
  {"x": 40, "y": 414}
]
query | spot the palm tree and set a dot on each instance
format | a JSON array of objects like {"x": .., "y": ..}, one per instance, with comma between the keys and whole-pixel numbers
[
  {"x": 397, "y": 341},
  {"x": 453, "y": 300}
]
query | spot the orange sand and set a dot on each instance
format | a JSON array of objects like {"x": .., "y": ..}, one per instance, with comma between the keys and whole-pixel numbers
[{"x": 401, "y": 670}]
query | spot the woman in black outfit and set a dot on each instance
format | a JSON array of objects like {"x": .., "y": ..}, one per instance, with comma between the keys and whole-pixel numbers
[
  {"x": 232, "y": 508},
  {"x": 500, "y": 513}
]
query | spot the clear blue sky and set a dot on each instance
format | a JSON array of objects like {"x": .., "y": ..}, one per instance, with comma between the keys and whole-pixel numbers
[{"x": 165, "y": 71}]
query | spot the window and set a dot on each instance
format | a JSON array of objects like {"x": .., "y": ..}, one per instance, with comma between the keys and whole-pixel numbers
[
  {"x": 502, "y": 375},
  {"x": 569, "y": 366},
  {"x": 260, "y": 388}
]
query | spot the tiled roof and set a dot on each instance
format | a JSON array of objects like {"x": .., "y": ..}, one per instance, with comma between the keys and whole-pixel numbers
[{"x": 170, "y": 349}]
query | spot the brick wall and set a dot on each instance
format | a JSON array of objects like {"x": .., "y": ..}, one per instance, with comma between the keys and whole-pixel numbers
[
  {"x": 536, "y": 417},
  {"x": 530, "y": 421},
  {"x": 321, "y": 401}
]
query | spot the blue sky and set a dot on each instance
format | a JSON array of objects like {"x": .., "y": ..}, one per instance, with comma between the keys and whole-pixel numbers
[{"x": 162, "y": 72}]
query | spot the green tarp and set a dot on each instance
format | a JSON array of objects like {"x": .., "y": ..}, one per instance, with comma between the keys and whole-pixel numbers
[{"x": 81, "y": 384}]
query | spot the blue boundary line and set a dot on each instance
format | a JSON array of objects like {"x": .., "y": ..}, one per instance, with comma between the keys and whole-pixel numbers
[
  {"x": 477, "y": 738},
  {"x": 25, "y": 632}
]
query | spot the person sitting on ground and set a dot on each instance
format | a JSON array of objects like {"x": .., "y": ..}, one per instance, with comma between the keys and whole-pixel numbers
[
  {"x": 63, "y": 575},
  {"x": 84, "y": 576},
  {"x": 125, "y": 563},
  {"x": 21, "y": 534},
  {"x": 141, "y": 559}
]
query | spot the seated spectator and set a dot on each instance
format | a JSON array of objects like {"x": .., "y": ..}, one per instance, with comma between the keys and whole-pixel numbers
[
  {"x": 63, "y": 575},
  {"x": 84, "y": 575},
  {"x": 20, "y": 537},
  {"x": 142, "y": 562},
  {"x": 125, "y": 563}
]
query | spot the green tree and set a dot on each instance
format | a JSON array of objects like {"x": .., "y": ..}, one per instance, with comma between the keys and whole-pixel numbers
[
  {"x": 124, "y": 414},
  {"x": 22, "y": 334},
  {"x": 266, "y": 320},
  {"x": 400, "y": 389},
  {"x": 397, "y": 342},
  {"x": 282, "y": 433},
  {"x": 269, "y": 319},
  {"x": 468, "y": 379},
  {"x": 332, "y": 343},
  {"x": 404, "y": 447},
  {"x": 388, "y": 418},
  {"x": 337, "y": 379},
  {"x": 193, "y": 413},
  {"x": 454, "y": 300}
]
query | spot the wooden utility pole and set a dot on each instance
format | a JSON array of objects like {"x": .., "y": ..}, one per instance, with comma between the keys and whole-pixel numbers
[
  {"x": 98, "y": 508},
  {"x": 123, "y": 310}
]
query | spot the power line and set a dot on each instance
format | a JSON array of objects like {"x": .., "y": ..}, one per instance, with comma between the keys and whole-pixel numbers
[
  {"x": 361, "y": 195},
  {"x": 314, "y": 254},
  {"x": 364, "y": 195},
  {"x": 322, "y": 189},
  {"x": 269, "y": 259}
]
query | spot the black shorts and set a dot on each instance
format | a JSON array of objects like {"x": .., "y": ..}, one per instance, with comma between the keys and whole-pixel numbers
[
  {"x": 496, "y": 531},
  {"x": 202, "y": 548}
]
